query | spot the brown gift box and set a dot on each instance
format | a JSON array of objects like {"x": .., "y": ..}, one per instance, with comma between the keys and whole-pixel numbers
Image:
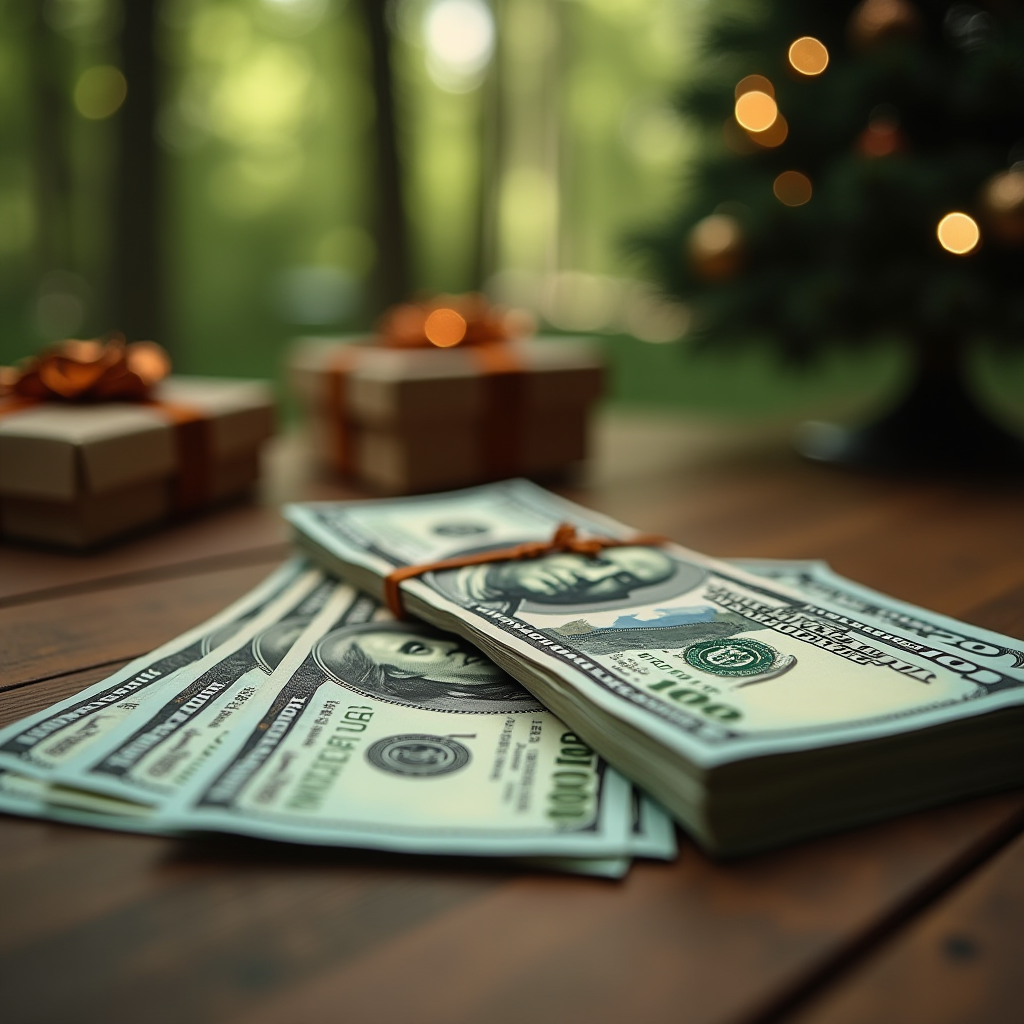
[
  {"x": 77, "y": 474},
  {"x": 409, "y": 420}
]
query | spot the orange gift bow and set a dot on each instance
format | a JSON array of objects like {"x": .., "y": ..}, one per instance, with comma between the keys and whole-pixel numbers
[
  {"x": 449, "y": 320},
  {"x": 89, "y": 371}
]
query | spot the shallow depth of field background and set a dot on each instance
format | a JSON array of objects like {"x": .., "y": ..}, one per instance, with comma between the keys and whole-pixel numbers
[{"x": 536, "y": 137}]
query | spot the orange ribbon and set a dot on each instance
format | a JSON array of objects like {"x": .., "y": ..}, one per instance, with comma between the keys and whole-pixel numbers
[
  {"x": 565, "y": 540},
  {"x": 89, "y": 371}
]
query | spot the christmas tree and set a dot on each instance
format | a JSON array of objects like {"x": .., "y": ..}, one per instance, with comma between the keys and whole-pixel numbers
[{"x": 863, "y": 178}]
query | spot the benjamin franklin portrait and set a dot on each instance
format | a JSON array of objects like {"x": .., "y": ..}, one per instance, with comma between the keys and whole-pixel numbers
[
  {"x": 412, "y": 664},
  {"x": 613, "y": 578}
]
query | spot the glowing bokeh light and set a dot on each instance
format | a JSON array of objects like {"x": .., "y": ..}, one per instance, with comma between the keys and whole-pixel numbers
[
  {"x": 872, "y": 20},
  {"x": 459, "y": 37},
  {"x": 808, "y": 56},
  {"x": 100, "y": 91},
  {"x": 792, "y": 188},
  {"x": 715, "y": 247},
  {"x": 774, "y": 135},
  {"x": 879, "y": 139},
  {"x": 445, "y": 328},
  {"x": 958, "y": 233},
  {"x": 148, "y": 360},
  {"x": 755, "y": 83},
  {"x": 716, "y": 235},
  {"x": 1005, "y": 192},
  {"x": 756, "y": 111}
]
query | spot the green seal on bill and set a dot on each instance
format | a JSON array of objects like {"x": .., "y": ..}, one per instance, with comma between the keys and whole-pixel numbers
[{"x": 732, "y": 657}]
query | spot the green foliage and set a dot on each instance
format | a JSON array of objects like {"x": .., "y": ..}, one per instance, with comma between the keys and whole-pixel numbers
[{"x": 861, "y": 258}]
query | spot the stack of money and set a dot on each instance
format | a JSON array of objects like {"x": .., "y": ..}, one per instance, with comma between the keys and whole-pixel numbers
[
  {"x": 760, "y": 703},
  {"x": 306, "y": 713}
]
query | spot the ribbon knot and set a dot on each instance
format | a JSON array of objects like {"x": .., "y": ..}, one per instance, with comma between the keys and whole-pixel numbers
[
  {"x": 88, "y": 371},
  {"x": 565, "y": 540},
  {"x": 469, "y": 321}
]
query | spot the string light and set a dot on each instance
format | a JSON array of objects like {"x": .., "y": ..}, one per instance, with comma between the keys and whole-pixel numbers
[
  {"x": 715, "y": 246},
  {"x": 755, "y": 83},
  {"x": 756, "y": 111},
  {"x": 808, "y": 56},
  {"x": 792, "y": 188},
  {"x": 774, "y": 135},
  {"x": 716, "y": 234},
  {"x": 1005, "y": 192},
  {"x": 958, "y": 233},
  {"x": 445, "y": 328}
]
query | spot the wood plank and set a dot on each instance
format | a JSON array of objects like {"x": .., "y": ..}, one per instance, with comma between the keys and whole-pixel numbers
[
  {"x": 262, "y": 932},
  {"x": 28, "y": 698},
  {"x": 292, "y": 934},
  {"x": 107, "y": 927},
  {"x": 1004, "y": 614},
  {"x": 65, "y": 634},
  {"x": 960, "y": 961},
  {"x": 29, "y": 573}
]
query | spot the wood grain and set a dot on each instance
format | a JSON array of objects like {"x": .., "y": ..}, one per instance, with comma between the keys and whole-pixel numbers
[
  {"x": 261, "y": 932},
  {"x": 63, "y": 634},
  {"x": 959, "y": 962},
  {"x": 28, "y": 698},
  {"x": 99, "y": 926},
  {"x": 36, "y": 573}
]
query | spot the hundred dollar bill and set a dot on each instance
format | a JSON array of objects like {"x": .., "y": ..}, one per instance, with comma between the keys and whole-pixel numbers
[
  {"x": 30, "y": 797},
  {"x": 177, "y": 723},
  {"x": 151, "y": 752},
  {"x": 817, "y": 581},
  {"x": 50, "y": 738},
  {"x": 753, "y": 713},
  {"x": 374, "y": 733},
  {"x": 160, "y": 740}
]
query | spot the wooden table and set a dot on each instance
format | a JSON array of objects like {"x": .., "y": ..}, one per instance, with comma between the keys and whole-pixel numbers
[{"x": 918, "y": 919}]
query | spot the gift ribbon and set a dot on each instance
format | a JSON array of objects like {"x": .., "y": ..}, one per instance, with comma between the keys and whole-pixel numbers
[
  {"x": 564, "y": 540},
  {"x": 191, "y": 485},
  {"x": 337, "y": 411}
]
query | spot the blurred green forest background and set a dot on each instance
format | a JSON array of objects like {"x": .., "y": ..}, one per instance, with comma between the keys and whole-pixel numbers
[{"x": 534, "y": 138}]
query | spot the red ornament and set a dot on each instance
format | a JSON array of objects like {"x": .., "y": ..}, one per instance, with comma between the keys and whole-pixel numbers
[{"x": 874, "y": 20}]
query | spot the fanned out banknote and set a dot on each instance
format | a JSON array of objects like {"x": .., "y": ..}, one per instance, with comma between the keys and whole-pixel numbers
[
  {"x": 33, "y": 798},
  {"x": 262, "y": 722},
  {"x": 759, "y": 704}
]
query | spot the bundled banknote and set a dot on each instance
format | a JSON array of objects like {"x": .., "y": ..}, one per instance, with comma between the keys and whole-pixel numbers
[
  {"x": 759, "y": 703},
  {"x": 306, "y": 713}
]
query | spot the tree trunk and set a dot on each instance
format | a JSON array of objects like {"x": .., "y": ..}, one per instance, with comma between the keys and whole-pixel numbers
[
  {"x": 51, "y": 163},
  {"x": 391, "y": 279},
  {"x": 137, "y": 266}
]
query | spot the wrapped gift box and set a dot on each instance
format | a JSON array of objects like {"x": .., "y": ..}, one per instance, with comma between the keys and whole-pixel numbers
[
  {"x": 409, "y": 420},
  {"x": 78, "y": 474}
]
